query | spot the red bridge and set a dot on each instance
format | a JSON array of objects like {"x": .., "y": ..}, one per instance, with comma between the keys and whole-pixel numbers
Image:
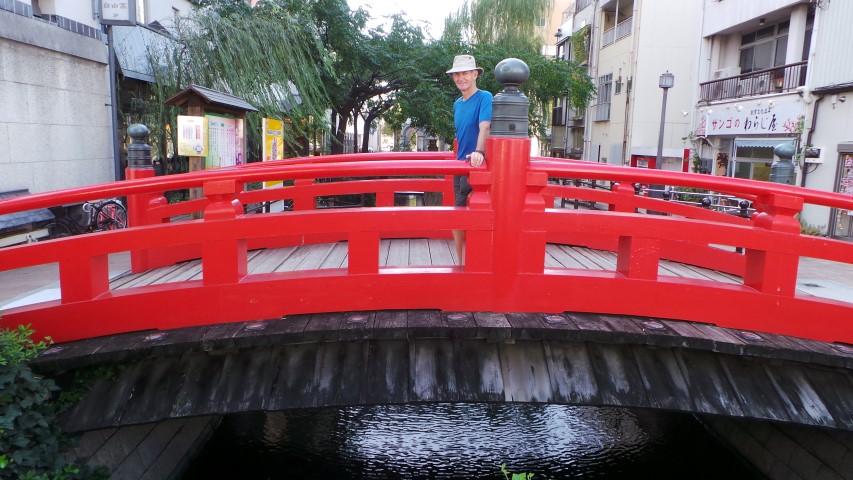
[
  {"x": 690, "y": 309},
  {"x": 511, "y": 224}
]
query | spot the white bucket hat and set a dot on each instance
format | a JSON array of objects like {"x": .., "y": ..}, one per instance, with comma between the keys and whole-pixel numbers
[{"x": 464, "y": 63}]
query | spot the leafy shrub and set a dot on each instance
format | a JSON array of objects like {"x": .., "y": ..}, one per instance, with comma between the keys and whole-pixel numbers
[{"x": 31, "y": 443}]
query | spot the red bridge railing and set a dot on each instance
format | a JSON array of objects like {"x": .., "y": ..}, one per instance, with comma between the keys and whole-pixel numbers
[{"x": 509, "y": 223}]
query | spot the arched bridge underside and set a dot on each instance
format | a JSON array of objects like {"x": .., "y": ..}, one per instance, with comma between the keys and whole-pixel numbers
[{"x": 416, "y": 356}]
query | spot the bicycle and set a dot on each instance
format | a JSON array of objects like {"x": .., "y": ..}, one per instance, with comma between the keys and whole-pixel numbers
[{"x": 109, "y": 214}]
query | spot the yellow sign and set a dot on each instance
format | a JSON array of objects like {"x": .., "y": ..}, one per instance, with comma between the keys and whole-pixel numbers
[
  {"x": 192, "y": 136},
  {"x": 273, "y": 143}
]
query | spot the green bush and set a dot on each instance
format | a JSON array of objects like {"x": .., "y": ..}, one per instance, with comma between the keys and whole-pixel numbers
[{"x": 31, "y": 444}]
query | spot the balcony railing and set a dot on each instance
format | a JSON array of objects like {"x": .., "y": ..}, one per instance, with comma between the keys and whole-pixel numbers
[
  {"x": 621, "y": 30},
  {"x": 582, "y": 4},
  {"x": 783, "y": 78}
]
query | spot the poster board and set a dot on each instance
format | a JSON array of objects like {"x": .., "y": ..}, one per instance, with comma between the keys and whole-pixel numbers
[
  {"x": 273, "y": 147},
  {"x": 192, "y": 136},
  {"x": 225, "y": 142}
]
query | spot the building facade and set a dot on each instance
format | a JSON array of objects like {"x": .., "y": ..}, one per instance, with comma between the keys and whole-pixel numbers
[{"x": 749, "y": 76}]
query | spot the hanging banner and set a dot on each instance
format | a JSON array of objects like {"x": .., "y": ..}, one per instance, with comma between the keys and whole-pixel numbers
[
  {"x": 192, "y": 136},
  {"x": 273, "y": 148},
  {"x": 225, "y": 145}
]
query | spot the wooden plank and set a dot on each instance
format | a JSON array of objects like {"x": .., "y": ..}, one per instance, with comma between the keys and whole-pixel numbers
[
  {"x": 419, "y": 252},
  {"x": 753, "y": 388},
  {"x": 249, "y": 374},
  {"x": 835, "y": 389},
  {"x": 803, "y": 403},
  {"x": 271, "y": 263},
  {"x": 525, "y": 372},
  {"x": 387, "y": 372},
  {"x": 426, "y": 323},
  {"x": 460, "y": 325},
  {"x": 336, "y": 256},
  {"x": 104, "y": 404},
  {"x": 339, "y": 373},
  {"x": 296, "y": 382},
  {"x": 318, "y": 254},
  {"x": 391, "y": 324},
  {"x": 440, "y": 252},
  {"x": 431, "y": 370},
  {"x": 663, "y": 380},
  {"x": 524, "y": 325},
  {"x": 494, "y": 326},
  {"x": 398, "y": 252},
  {"x": 357, "y": 326},
  {"x": 578, "y": 254},
  {"x": 710, "y": 390},
  {"x": 162, "y": 380},
  {"x": 203, "y": 383},
  {"x": 323, "y": 327},
  {"x": 384, "y": 250},
  {"x": 479, "y": 374},
  {"x": 590, "y": 327},
  {"x": 571, "y": 373},
  {"x": 561, "y": 257},
  {"x": 294, "y": 261},
  {"x": 617, "y": 375}
]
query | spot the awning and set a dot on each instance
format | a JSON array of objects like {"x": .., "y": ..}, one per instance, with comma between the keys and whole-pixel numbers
[
  {"x": 19, "y": 219},
  {"x": 762, "y": 142},
  {"x": 132, "y": 46}
]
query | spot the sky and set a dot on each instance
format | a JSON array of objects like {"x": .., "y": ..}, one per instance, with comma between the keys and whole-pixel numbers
[{"x": 432, "y": 11}]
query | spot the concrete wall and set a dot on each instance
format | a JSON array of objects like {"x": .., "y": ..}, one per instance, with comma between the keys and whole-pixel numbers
[
  {"x": 788, "y": 452},
  {"x": 55, "y": 125}
]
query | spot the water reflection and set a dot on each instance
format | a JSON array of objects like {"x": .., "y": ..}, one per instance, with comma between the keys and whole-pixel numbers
[{"x": 469, "y": 441}]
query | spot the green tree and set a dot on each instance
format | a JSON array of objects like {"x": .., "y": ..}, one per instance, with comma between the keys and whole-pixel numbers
[{"x": 270, "y": 55}]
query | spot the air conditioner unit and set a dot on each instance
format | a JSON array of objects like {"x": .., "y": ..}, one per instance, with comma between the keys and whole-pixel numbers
[{"x": 726, "y": 73}]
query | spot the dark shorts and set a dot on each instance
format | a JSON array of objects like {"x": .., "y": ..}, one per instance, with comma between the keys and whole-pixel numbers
[{"x": 462, "y": 189}]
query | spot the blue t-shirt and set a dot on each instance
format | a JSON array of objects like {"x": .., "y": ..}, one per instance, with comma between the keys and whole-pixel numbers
[{"x": 467, "y": 115}]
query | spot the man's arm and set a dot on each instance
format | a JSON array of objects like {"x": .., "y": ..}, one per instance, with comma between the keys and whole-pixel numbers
[{"x": 476, "y": 157}]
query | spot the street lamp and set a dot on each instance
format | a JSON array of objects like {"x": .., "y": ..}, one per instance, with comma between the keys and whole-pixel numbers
[{"x": 667, "y": 80}]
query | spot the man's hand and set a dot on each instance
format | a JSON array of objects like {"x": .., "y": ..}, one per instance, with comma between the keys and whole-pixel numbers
[{"x": 477, "y": 158}]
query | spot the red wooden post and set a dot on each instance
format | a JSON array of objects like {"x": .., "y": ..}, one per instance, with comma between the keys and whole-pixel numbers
[
  {"x": 508, "y": 159},
  {"x": 224, "y": 261},
  {"x": 478, "y": 248},
  {"x": 83, "y": 277},
  {"x": 303, "y": 200},
  {"x": 138, "y": 166},
  {"x": 768, "y": 271},
  {"x": 623, "y": 206}
]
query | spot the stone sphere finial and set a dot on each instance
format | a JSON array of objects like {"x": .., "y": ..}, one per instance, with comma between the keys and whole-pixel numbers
[
  {"x": 511, "y": 72},
  {"x": 139, "y": 152},
  {"x": 784, "y": 150}
]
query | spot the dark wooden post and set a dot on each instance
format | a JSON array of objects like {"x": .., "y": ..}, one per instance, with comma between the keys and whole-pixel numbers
[{"x": 138, "y": 166}]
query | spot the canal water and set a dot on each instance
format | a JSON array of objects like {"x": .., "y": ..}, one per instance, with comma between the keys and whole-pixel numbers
[{"x": 465, "y": 441}]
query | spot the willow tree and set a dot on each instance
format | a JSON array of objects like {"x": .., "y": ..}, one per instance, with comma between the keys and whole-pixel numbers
[
  {"x": 270, "y": 56},
  {"x": 509, "y": 24},
  {"x": 493, "y": 30}
]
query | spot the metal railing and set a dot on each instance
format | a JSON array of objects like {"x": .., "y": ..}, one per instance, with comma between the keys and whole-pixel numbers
[
  {"x": 621, "y": 30},
  {"x": 783, "y": 78}
]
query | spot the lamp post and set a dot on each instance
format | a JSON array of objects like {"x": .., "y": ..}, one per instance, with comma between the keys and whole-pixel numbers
[{"x": 667, "y": 80}]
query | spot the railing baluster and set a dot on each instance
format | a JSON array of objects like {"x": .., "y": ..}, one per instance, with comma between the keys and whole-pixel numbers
[
  {"x": 766, "y": 270},
  {"x": 224, "y": 261}
]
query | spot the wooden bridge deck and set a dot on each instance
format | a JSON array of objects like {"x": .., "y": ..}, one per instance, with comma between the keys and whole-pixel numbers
[{"x": 420, "y": 252}]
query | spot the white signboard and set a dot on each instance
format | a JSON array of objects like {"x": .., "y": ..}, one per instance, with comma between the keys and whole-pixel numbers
[
  {"x": 756, "y": 120},
  {"x": 118, "y": 12}
]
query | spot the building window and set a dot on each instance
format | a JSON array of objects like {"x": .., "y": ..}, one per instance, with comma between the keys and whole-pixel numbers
[
  {"x": 764, "y": 48},
  {"x": 604, "y": 86}
]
